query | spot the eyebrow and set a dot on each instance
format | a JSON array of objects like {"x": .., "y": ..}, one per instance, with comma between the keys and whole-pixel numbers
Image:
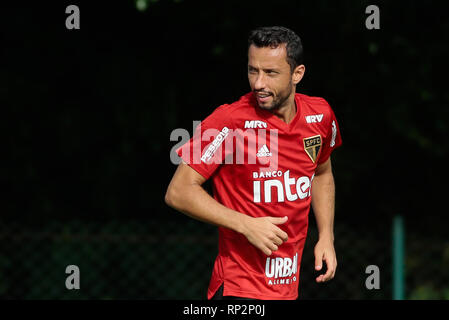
[{"x": 268, "y": 69}]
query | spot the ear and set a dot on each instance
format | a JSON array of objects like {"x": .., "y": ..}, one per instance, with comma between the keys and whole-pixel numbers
[{"x": 298, "y": 73}]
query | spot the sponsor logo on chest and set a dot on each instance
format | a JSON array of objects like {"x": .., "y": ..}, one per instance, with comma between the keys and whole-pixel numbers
[
  {"x": 255, "y": 124},
  {"x": 288, "y": 188},
  {"x": 314, "y": 118}
]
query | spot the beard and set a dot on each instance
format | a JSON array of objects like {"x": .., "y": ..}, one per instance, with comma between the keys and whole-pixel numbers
[{"x": 278, "y": 101}]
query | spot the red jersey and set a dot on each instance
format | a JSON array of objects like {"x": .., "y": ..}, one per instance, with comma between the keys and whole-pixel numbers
[{"x": 262, "y": 166}]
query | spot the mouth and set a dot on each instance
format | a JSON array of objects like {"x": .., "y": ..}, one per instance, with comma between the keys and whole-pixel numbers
[{"x": 263, "y": 96}]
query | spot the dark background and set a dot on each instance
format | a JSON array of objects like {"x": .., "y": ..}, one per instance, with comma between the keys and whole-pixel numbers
[{"x": 87, "y": 115}]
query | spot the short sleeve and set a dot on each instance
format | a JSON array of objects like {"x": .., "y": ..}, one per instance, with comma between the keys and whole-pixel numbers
[
  {"x": 206, "y": 150},
  {"x": 332, "y": 138}
]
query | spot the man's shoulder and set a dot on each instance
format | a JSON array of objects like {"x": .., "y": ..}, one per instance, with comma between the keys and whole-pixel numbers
[
  {"x": 316, "y": 101},
  {"x": 243, "y": 105},
  {"x": 314, "y": 104}
]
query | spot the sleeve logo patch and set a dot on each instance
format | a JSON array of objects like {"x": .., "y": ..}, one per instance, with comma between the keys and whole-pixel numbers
[
  {"x": 215, "y": 144},
  {"x": 334, "y": 133}
]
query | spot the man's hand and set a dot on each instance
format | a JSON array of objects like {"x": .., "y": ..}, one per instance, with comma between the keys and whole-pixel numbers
[
  {"x": 324, "y": 251},
  {"x": 264, "y": 234},
  {"x": 186, "y": 194}
]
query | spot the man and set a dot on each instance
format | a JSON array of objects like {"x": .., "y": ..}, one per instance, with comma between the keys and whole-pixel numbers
[{"x": 261, "y": 204}]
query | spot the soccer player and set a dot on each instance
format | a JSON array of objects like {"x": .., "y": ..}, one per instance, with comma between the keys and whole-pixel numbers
[{"x": 262, "y": 195}]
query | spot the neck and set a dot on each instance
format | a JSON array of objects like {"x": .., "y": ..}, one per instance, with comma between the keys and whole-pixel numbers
[{"x": 287, "y": 111}]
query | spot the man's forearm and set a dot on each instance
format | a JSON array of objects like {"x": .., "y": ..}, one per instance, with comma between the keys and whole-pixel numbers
[
  {"x": 323, "y": 204},
  {"x": 195, "y": 202},
  {"x": 186, "y": 194}
]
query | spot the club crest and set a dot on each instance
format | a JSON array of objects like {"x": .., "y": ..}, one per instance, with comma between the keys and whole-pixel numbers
[{"x": 312, "y": 146}]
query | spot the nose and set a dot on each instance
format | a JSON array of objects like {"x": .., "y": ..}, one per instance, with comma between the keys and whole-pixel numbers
[{"x": 259, "y": 84}]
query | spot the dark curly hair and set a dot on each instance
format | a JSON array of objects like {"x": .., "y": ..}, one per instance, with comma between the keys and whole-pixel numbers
[{"x": 275, "y": 36}]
